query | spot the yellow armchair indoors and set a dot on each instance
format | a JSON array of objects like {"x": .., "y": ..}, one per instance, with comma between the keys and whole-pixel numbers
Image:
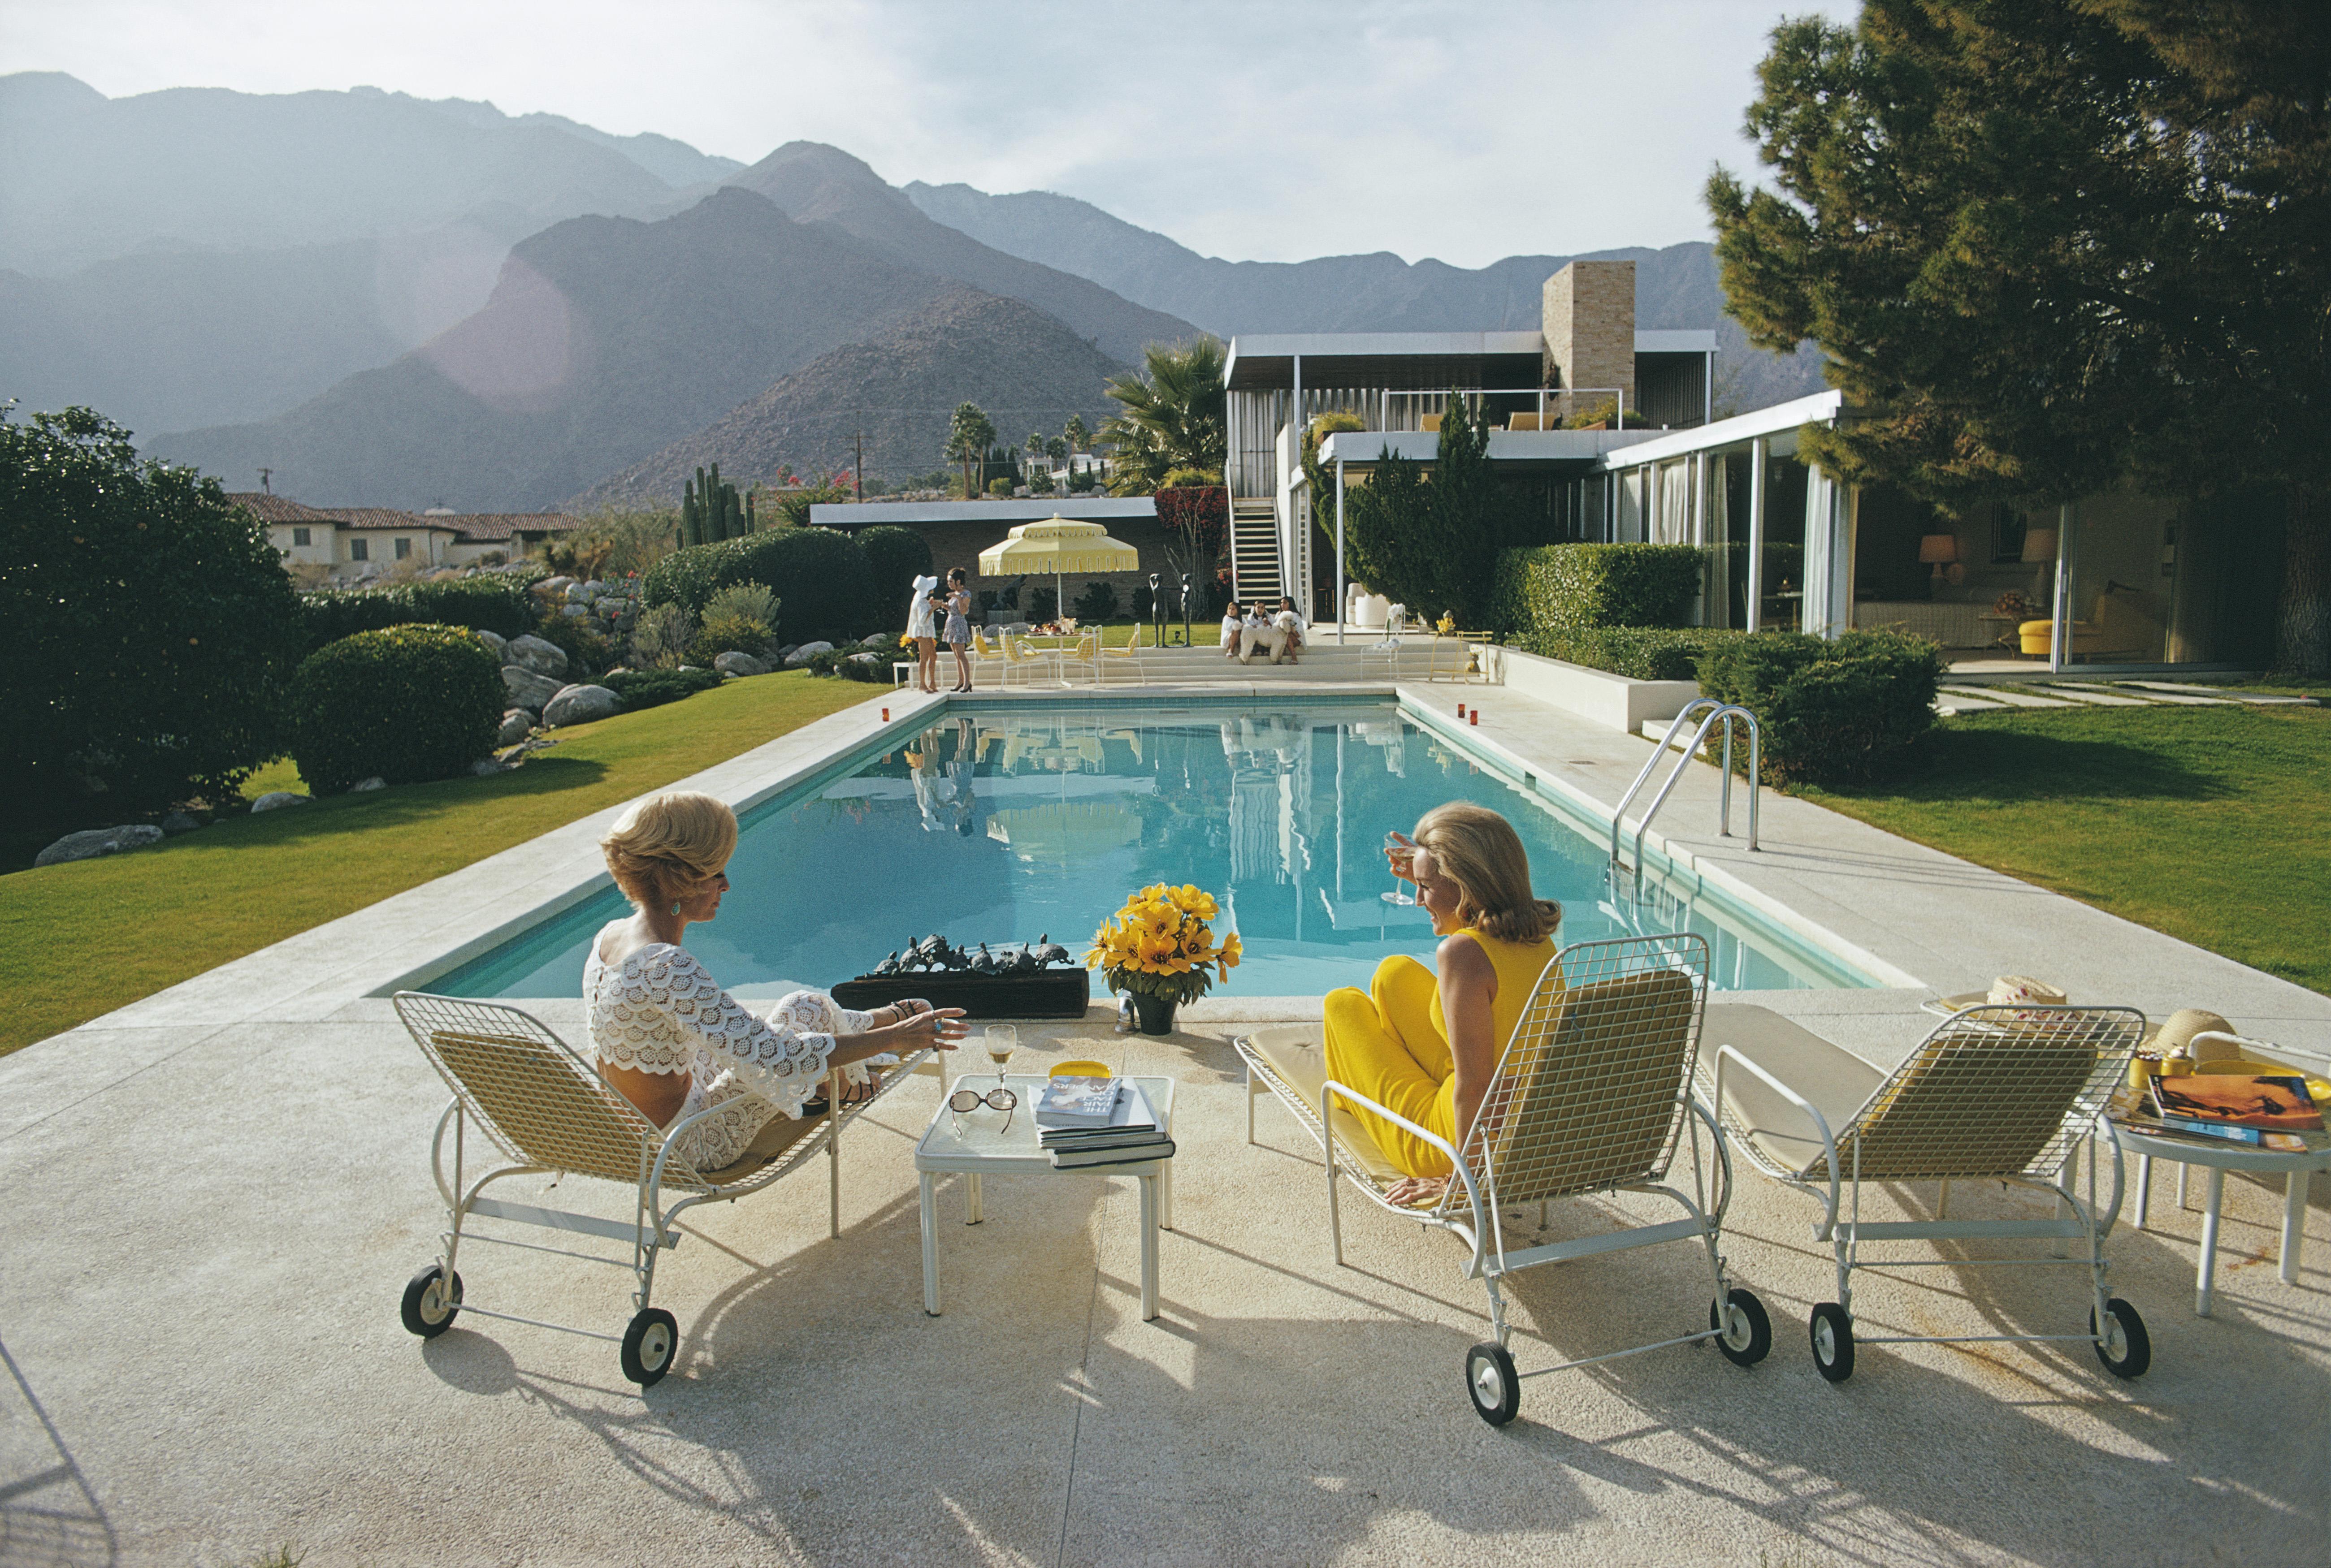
[{"x": 2123, "y": 624}]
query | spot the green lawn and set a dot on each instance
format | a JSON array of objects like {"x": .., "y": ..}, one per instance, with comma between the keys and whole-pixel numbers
[
  {"x": 79, "y": 940},
  {"x": 2212, "y": 824}
]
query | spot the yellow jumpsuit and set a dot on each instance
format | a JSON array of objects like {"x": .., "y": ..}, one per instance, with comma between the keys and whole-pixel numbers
[{"x": 1391, "y": 1043}]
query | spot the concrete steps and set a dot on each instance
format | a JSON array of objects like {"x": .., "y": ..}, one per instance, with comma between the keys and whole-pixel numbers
[{"x": 1254, "y": 552}]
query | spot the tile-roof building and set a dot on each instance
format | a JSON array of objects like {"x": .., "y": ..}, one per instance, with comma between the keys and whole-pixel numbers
[{"x": 355, "y": 542}]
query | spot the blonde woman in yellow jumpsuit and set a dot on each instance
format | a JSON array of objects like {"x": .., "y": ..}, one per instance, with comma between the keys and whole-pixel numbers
[{"x": 1425, "y": 1044}]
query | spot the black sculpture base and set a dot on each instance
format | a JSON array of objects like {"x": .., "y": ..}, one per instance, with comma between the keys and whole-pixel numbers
[{"x": 1037, "y": 993}]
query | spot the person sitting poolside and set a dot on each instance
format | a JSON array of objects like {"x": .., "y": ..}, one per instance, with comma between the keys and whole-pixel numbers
[
  {"x": 1289, "y": 621},
  {"x": 1233, "y": 628},
  {"x": 671, "y": 1041},
  {"x": 1426, "y": 1045}
]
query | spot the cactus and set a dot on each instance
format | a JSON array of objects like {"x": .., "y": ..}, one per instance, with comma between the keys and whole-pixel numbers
[{"x": 708, "y": 510}]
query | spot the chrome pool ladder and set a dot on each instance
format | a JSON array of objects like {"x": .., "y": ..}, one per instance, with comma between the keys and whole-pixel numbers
[{"x": 1727, "y": 714}]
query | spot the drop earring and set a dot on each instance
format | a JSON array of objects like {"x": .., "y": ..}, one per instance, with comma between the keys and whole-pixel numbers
[{"x": 675, "y": 906}]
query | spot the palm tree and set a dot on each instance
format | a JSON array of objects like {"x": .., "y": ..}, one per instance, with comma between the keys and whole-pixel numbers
[
  {"x": 1171, "y": 415},
  {"x": 970, "y": 432},
  {"x": 1075, "y": 433}
]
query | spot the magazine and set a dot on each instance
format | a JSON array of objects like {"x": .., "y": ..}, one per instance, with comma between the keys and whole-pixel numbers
[
  {"x": 1076, "y": 1102},
  {"x": 2269, "y": 1102}
]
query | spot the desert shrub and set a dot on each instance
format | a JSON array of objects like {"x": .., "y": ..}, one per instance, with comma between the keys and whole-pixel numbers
[
  {"x": 895, "y": 557},
  {"x": 1554, "y": 586},
  {"x": 744, "y": 601},
  {"x": 497, "y": 604},
  {"x": 1082, "y": 480},
  {"x": 661, "y": 638},
  {"x": 1637, "y": 652},
  {"x": 1039, "y": 482},
  {"x": 587, "y": 650},
  {"x": 727, "y": 632},
  {"x": 999, "y": 487},
  {"x": 653, "y": 688},
  {"x": 151, "y": 630},
  {"x": 1095, "y": 602},
  {"x": 1848, "y": 711},
  {"x": 819, "y": 576},
  {"x": 616, "y": 543},
  {"x": 408, "y": 703}
]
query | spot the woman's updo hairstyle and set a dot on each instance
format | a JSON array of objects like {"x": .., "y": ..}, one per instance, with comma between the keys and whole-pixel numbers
[
  {"x": 1479, "y": 850},
  {"x": 666, "y": 847}
]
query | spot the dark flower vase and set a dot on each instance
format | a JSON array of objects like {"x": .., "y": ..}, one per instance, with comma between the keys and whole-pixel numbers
[{"x": 1153, "y": 1015}]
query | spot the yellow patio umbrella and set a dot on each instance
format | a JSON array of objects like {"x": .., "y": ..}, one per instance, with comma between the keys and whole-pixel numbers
[{"x": 1058, "y": 544}]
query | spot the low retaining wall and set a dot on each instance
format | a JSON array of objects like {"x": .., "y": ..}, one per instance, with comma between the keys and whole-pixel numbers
[{"x": 1612, "y": 700}]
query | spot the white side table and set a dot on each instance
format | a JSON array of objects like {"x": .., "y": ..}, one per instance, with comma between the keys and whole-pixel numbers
[
  {"x": 2220, "y": 1158},
  {"x": 984, "y": 1148}
]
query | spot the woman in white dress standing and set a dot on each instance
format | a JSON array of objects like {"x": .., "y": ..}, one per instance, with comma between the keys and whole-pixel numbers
[
  {"x": 671, "y": 1041},
  {"x": 923, "y": 628}
]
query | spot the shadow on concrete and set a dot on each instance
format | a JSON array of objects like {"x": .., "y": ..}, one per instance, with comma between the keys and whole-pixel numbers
[{"x": 49, "y": 1515}]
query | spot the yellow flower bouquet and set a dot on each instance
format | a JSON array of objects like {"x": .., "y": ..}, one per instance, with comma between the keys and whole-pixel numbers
[{"x": 1159, "y": 946}]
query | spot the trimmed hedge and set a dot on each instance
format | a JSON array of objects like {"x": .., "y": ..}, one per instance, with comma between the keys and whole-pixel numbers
[
  {"x": 819, "y": 575},
  {"x": 653, "y": 688},
  {"x": 408, "y": 703},
  {"x": 1570, "y": 586},
  {"x": 1638, "y": 652},
  {"x": 1849, "y": 711},
  {"x": 895, "y": 557},
  {"x": 496, "y": 604}
]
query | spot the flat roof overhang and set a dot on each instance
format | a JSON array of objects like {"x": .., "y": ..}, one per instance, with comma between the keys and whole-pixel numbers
[
  {"x": 1265, "y": 361},
  {"x": 1076, "y": 508},
  {"x": 1506, "y": 446}
]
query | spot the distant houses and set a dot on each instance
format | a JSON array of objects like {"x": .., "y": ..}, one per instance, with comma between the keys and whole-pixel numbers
[{"x": 353, "y": 543}]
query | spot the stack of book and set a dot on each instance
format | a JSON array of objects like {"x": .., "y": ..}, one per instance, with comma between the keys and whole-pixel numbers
[
  {"x": 1098, "y": 1121},
  {"x": 2269, "y": 1111}
]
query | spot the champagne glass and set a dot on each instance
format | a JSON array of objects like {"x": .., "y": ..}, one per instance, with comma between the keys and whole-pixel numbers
[
  {"x": 1002, "y": 1040},
  {"x": 1395, "y": 843}
]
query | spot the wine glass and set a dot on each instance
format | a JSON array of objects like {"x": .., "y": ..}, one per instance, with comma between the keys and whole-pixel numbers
[
  {"x": 1396, "y": 842},
  {"x": 1002, "y": 1040}
]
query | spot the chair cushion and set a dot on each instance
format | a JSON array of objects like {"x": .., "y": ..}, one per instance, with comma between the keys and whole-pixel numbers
[
  {"x": 1836, "y": 1082},
  {"x": 1295, "y": 1054}
]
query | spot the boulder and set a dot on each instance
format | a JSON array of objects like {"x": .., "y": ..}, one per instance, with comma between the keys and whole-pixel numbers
[
  {"x": 581, "y": 705},
  {"x": 579, "y": 593},
  {"x": 486, "y": 766},
  {"x": 784, "y": 651},
  {"x": 180, "y": 823},
  {"x": 276, "y": 800},
  {"x": 806, "y": 653},
  {"x": 735, "y": 662},
  {"x": 495, "y": 642},
  {"x": 879, "y": 643},
  {"x": 866, "y": 659},
  {"x": 528, "y": 689},
  {"x": 531, "y": 653},
  {"x": 91, "y": 843},
  {"x": 363, "y": 785},
  {"x": 554, "y": 587},
  {"x": 516, "y": 725},
  {"x": 575, "y": 612}
]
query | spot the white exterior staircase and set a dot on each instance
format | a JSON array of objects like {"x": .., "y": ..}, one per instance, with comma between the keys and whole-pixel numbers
[{"x": 1254, "y": 551}]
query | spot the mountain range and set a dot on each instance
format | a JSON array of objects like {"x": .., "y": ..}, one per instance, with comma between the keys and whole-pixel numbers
[{"x": 391, "y": 301}]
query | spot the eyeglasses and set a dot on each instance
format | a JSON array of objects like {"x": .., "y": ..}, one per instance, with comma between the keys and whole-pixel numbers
[{"x": 965, "y": 1101}]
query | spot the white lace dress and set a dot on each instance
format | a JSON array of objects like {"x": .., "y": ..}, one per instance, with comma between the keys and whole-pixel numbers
[{"x": 660, "y": 1011}]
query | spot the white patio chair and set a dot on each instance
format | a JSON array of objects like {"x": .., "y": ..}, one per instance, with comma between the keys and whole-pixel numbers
[
  {"x": 1590, "y": 1096},
  {"x": 985, "y": 656},
  {"x": 1128, "y": 657},
  {"x": 1081, "y": 655},
  {"x": 1023, "y": 657},
  {"x": 2004, "y": 1094},
  {"x": 546, "y": 1109}
]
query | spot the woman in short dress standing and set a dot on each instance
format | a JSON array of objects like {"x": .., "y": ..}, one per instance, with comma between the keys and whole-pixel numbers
[
  {"x": 959, "y": 626},
  {"x": 923, "y": 631}
]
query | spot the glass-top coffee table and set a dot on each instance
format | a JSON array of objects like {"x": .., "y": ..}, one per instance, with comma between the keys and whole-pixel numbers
[{"x": 986, "y": 1149}]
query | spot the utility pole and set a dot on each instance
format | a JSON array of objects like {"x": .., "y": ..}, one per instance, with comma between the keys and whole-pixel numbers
[
  {"x": 264, "y": 474},
  {"x": 857, "y": 470}
]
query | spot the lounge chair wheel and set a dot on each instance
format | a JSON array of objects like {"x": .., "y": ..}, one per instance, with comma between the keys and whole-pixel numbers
[
  {"x": 430, "y": 1309},
  {"x": 648, "y": 1344},
  {"x": 1491, "y": 1379},
  {"x": 1743, "y": 1332},
  {"x": 1832, "y": 1342},
  {"x": 2125, "y": 1348}
]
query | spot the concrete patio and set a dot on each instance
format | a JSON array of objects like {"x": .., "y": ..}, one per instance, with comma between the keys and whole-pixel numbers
[{"x": 222, "y": 1189}]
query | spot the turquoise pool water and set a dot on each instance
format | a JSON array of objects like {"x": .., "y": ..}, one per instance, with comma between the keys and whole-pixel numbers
[{"x": 1006, "y": 823}]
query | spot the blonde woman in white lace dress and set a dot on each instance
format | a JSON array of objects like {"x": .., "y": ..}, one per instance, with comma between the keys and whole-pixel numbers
[{"x": 671, "y": 1040}]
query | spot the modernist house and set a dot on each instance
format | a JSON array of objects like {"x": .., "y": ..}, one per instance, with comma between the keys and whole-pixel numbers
[
  {"x": 2120, "y": 579},
  {"x": 353, "y": 542}
]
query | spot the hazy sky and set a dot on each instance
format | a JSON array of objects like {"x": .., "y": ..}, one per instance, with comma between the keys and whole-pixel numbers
[{"x": 1251, "y": 129}]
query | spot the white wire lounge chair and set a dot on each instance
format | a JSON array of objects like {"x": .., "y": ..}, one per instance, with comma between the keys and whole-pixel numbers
[
  {"x": 1592, "y": 1095},
  {"x": 2005, "y": 1094},
  {"x": 545, "y": 1108}
]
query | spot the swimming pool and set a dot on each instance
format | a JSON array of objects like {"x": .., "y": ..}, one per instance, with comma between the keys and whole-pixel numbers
[{"x": 1009, "y": 822}]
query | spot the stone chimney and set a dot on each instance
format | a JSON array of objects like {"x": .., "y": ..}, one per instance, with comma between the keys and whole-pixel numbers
[{"x": 1589, "y": 314}]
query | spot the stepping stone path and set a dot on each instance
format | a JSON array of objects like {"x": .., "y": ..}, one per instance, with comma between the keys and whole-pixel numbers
[
  {"x": 1993, "y": 695},
  {"x": 1950, "y": 703},
  {"x": 2164, "y": 688},
  {"x": 2102, "y": 696}
]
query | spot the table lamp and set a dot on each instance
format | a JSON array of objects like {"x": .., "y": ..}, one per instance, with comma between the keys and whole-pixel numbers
[
  {"x": 1940, "y": 551},
  {"x": 2039, "y": 550}
]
